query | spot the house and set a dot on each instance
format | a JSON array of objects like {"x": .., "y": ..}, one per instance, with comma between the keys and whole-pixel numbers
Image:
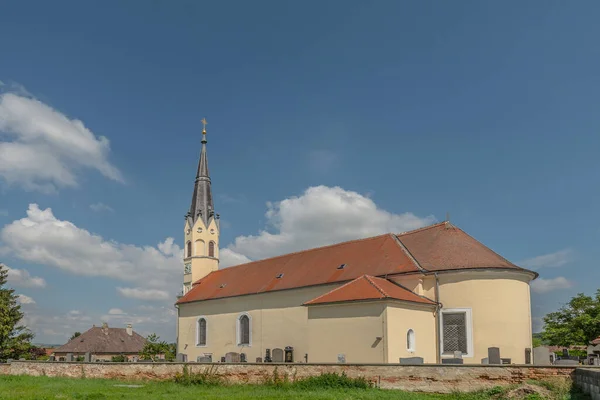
[
  {"x": 593, "y": 349},
  {"x": 431, "y": 293},
  {"x": 103, "y": 343}
]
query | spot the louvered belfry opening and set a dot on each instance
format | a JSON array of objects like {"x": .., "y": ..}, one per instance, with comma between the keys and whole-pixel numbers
[{"x": 455, "y": 332}]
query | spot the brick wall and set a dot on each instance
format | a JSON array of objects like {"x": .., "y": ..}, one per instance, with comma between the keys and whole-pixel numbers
[
  {"x": 425, "y": 378},
  {"x": 588, "y": 379}
]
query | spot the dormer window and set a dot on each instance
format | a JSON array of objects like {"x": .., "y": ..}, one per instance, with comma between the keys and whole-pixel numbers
[
  {"x": 342, "y": 266},
  {"x": 279, "y": 276}
]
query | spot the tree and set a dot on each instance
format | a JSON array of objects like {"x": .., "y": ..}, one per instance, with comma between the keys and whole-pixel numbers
[
  {"x": 73, "y": 336},
  {"x": 15, "y": 339},
  {"x": 155, "y": 347},
  {"x": 576, "y": 323}
]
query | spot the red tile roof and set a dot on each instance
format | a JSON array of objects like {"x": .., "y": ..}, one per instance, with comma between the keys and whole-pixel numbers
[
  {"x": 368, "y": 288},
  {"x": 445, "y": 247},
  {"x": 378, "y": 255},
  {"x": 437, "y": 247}
]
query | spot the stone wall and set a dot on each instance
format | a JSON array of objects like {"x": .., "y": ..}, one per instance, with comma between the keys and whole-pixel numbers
[
  {"x": 424, "y": 378},
  {"x": 588, "y": 379}
]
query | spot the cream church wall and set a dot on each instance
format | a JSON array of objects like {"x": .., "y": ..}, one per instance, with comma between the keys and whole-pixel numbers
[
  {"x": 278, "y": 319},
  {"x": 402, "y": 317},
  {"x": 351, "y": 329},
  {"x": 500, "y": 308}
]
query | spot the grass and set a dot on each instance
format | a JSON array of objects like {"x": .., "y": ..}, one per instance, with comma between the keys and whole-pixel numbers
[{"x": 28, "y": 387}]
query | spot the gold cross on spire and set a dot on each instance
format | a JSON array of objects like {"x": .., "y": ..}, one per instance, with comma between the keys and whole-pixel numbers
[{"x": 204, "y": 123}]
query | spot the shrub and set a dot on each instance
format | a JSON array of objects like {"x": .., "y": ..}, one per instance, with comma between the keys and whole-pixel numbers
[
  {"x": 333, "y": 381},
  {"x": 119, "y": 358},
  {"x": 207, "y": 377}
]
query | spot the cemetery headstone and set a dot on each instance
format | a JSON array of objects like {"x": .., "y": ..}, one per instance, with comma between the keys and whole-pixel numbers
[
  {"x": 505, "y": 360},
  {"x": 223, "y": 359},
  {"x": 69, "y": 356},
  {"x": 541, "y": 356},
  {"x": 411, "y": 360},
  {"x": 268, "y": 358},
  {"x": 87, "y": 357},
  {"x": 341, "y": 358},
  {"x": 452, "y": 361},
  {"x": 485, "y": 361},
  {"x": 494, "y": 355},
  {"x": 181, "y": 357},
  {"x": 232, "y": 357},
  {"x": 527, "y": 356},
  {"x": 51, "y": 358},
  {"x": 258, "y": 359},
  {"x": 289, "y": 354},
  {"x": 565, "y": 353},
  {"x": 206, "y": 358},
  {"x": 243, "y": 357},
  {"x": 9, "y": 360},
  {"x": 277, "y": 355}
]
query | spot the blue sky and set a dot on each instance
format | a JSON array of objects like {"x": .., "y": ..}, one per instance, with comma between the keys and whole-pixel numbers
[{"x": 345, "y": 118}]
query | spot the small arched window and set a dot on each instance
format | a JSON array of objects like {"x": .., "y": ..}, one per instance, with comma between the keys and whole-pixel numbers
[
  {"x": 410, "y": 340},
  {"x": 211, "y": 249},
  {"x": 244, "y": 330},
  {"x": 189, "y": 249},
  {"x": 201, "y": 332}
]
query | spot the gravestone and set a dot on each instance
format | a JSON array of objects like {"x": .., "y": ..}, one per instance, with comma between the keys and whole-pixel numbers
[
  {"x": 87, "y": 357},
  {"x": 485, "y": 361},
  {"x": 268, "y": 358},
  {"x": 258, "y": 359},
  {"x": 452, "y": 361},
  {"x": 341, "y": 358},
  {"x": 552, "y": 358},
  {"x": 411, "y": 360},
  {"x": 494, "y": 355},
  {"x": 243, "y": 357},
  {"x": 541, "y": 356},
  {"x": 206, "y": 358},
  {"x": 527, "y": 356},
  {"x": 69, "y": 357},
  {"x": 181, "y": 357},
  {"x": 566, "y": 362},
  {"x": 51, "y": 358},
  {"x": 232, "y": 357},
  {"x": 9, "y": 360},
  {"x": 277, "y": 355},
  {"x": 223, "y": 359},
  {"x": 505, "y": 361},
  {"x": 565, "y": 353}
]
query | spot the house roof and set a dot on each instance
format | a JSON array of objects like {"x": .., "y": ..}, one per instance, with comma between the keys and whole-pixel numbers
[
  {"x": 596, "y": 341},
  {"x": 369, "y": 288},
  {"x": 104, "y": 340},
  {"x": 444, "y": 246},
  {"x": 434, "y": 248}
]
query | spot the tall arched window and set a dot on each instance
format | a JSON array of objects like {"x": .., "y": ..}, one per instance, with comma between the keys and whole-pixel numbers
[
  {"x": 201, "y": 341},
  {"x": 199, "y": 250},
  {"x": 410, "y": 340},
  {"x": 211, "y": 249},
  {"x": 244, "y": 330},
  {"x": 189, "y": 249}
]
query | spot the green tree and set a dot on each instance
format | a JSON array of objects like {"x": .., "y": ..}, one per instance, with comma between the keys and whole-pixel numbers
[
  {"x": 155, "y": 347},
  {"x": 15, "y": 339},
  {"x": 73, "y": 336},
  {"x": 576, "y": 323}
]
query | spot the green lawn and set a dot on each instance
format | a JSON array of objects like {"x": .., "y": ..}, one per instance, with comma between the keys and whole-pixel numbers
[{"x": 26, "y": 387}]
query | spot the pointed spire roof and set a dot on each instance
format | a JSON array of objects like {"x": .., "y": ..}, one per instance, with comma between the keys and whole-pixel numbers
[{"x": 202, "y": 201}]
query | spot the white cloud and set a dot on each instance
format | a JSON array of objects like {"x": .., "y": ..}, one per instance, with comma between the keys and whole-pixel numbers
[
  {"x": 23, "y": 299},
  {"x": 557, "y": 259},
  {"x": 116, "y": 311},
  {"x": 321, "y": 215},
  {"x": 22, "y": 278},
  {"x": 42, "y": 238},
  {"x": 99, "y": 207},
  {"x": 542, "y": 285},
  {"x": 144, "y": 294},
  {"x": 45, "y": 149}
]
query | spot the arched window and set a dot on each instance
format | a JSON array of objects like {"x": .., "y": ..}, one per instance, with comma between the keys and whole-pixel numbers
[
  {"x": 199, "y": 251},
  {"x": 189, "y": 249},
  {"x": 244, "y": 330},
  {"x": 410, "y": 340},
  {"x": 201, "y": 336},
  {"x": 211, "y": 249}
]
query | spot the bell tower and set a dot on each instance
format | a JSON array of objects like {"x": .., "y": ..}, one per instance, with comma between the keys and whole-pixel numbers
[{"x": 201, "y": 231}]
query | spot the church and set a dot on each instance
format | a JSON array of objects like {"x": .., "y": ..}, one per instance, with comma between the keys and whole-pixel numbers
[{"x": 434, "y": 293}]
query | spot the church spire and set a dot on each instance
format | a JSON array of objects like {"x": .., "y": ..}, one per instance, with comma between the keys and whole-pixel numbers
[{"x": 202, "y": 201}]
